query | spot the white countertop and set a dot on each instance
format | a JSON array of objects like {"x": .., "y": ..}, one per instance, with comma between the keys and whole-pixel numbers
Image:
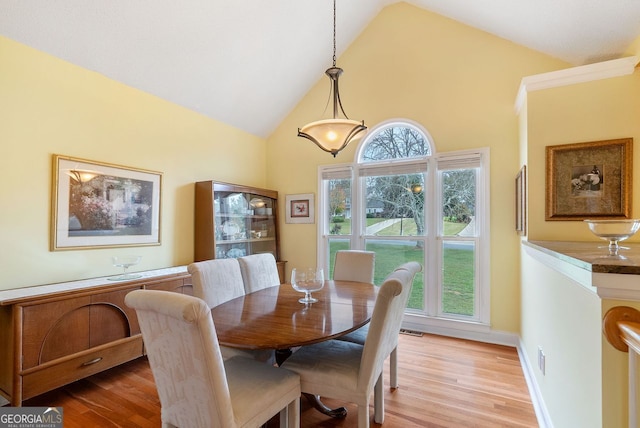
[{"x": 9, "y": 296}]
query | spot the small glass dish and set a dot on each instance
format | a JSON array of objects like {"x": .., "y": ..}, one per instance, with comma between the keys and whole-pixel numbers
[
  {"x": 614, "y": 231},
  {"x": 307, "y": 281},
  {"x": 125, "y": 262}
]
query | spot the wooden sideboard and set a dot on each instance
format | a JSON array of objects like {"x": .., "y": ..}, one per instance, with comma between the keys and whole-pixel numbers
[{"x": 56, "y": 334}]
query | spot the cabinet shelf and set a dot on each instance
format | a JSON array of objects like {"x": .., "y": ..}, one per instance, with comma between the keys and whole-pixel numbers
[
  {"x": 242, "y": 241},
  {"x": 251, "y": 216}
]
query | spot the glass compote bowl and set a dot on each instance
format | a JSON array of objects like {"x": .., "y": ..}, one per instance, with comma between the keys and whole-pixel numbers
[
  {"x": 614, "y": 231},
  {"x": 307, "y": 281},
  {"x": 125, "y": 262}
]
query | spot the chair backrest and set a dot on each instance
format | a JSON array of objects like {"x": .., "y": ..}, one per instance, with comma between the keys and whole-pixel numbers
[
  {"x": 259, "y": 271},
  {"x": 216, "y": 281},
  {"x": 354, "y": 265},
  {"x": 184, "y": 355},
  {"x": 386, "y": 320},
  {"x": 413, "y": 268}
]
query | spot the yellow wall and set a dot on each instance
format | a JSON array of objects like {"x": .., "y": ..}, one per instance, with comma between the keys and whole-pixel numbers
[
  {"x": 563, "y": 318},
  {"x": 600, "y": 110},
  {"x": 634, "y": 48},
  {"x": 593, "y": 111},
  {"x": 459, "y": 83},
  {"x": 49, "y": 106}
]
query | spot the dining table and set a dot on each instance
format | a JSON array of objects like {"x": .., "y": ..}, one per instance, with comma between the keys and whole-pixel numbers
[{"x": 273, "y": 318}]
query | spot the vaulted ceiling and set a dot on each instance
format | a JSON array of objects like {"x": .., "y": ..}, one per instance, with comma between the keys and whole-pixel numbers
[{"x": 247, "y": 63}]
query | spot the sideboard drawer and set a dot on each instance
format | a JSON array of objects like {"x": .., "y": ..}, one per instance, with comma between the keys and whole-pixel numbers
[{"x": 66, "y": 370}]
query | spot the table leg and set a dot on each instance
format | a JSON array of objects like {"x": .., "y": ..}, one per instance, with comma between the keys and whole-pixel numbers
[
  {"x": 338, "y": 413},
  {"x": 282, "y": 355}
]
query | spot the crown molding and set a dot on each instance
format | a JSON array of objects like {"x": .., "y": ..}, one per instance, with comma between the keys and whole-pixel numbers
[{"x": 570, "y": 76}]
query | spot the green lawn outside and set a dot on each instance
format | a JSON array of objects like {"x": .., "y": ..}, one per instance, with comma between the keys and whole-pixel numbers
[{"x": 458, "y": 269}]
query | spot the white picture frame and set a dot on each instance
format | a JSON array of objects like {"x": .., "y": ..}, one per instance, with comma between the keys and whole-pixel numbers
[{"x": 300, "y": 208}]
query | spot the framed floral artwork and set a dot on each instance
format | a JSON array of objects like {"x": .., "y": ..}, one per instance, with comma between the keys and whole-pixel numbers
[
  {"x": 101, "y": 205},
  {"x": 589, "y": 180},
  {"x": 300, "y": 208}
]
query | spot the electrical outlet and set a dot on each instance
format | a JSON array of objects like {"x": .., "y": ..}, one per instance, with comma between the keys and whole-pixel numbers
[{"x": 541, "y": 360}]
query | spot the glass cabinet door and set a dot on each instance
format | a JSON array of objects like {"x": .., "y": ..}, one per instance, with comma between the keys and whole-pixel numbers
[
  {"x": 244, "y": 224},
  {"x": 233, "y": 221}
]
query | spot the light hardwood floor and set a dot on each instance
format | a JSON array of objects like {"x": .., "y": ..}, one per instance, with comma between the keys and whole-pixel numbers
[{"x": 444, "y": 382}]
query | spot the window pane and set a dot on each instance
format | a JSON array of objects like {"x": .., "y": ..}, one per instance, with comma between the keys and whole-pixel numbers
[
  {"x": 458, "y": 278},
  {"x": 339, "y": 215},
  {"x": 395, "y": 205},
  {"x": 334, "y": 246},
  {"x": 396, "y": 142},
  {"x": 390, "y": 255},
  {"x": 459, "y": 202}
]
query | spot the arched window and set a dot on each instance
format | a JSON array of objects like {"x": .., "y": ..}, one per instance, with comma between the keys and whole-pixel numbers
[
  {"x": 395, "y": 140},
  {"x": 406, "y": 203}
]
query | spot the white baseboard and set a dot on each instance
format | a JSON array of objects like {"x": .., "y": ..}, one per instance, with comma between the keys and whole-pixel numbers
[
  {"x": 544, "y": 420},
  {"x": 461, "y": 330}
]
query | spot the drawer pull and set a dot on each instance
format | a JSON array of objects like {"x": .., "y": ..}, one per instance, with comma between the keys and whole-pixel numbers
[{"x": 90, "y": 362}]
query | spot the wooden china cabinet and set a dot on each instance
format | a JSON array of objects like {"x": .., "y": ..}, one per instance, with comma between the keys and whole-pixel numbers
[{"x": 233, "y": 220}]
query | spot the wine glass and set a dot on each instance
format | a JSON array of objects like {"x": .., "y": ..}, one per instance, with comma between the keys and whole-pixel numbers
[
  {"x": 125, "y": 262},
  {"x": 307, "y": 281}
]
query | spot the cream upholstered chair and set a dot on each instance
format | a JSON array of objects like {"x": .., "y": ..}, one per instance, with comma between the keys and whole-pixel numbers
[
  {"x": 361, "y": 273},
  {"x": 348, "y": 371},
  {"x": 218, "y": 281},
  {"x": 197, "y": 388},
  {"x": 354, "y": 265},
  {"x": 259, "y": 271}
]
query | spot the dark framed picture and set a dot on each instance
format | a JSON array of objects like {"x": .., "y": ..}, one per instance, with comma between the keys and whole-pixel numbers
[
  {"x": 521, "y": 201},
  {"x": 300, "y": 208},
  {"x": 100, "y": 205},
  {"x": 589, "y": 180}
]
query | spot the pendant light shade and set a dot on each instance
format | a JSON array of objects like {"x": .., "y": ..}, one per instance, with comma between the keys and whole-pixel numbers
[{"x": 333, "y": 135}]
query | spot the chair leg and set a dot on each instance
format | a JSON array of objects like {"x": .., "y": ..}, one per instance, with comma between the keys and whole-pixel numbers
[
  {"x": 378, "y": 400},
  {"x": 393, "y": 368},
  {"x": 363, "y": 415},
  {"x": 290, "y": 415}
]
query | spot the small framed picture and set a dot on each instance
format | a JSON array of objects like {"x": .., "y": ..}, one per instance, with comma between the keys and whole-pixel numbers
[
  {"x": 521, "y": 201},
  {"x": 300, "y": 208}
]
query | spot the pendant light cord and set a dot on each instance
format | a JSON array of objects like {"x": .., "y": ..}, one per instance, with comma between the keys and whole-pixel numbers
[{"x": 334, "y": 33}]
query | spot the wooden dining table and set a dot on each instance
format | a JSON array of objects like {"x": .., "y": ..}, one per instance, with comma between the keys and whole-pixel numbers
[{"x": 273, "y": 318}]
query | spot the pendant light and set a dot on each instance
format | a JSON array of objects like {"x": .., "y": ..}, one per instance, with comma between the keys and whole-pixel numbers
[{"x": 333, "y": 135}]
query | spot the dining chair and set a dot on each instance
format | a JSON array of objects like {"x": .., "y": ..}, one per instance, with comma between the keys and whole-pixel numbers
[
  {"x": 196, "y": 386},
  {"x": 349, "y": 371},
  {"x": 259, "y": 271},
  {"x": 360, "y": 335},
  {"x": 218, "y": 281},
  {"x": 354, "y": 265}
]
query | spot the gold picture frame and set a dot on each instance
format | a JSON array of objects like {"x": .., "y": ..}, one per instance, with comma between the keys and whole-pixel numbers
[
  {"x": 101, "y": 205},
  {"x": 521, "y": 201},
  {"x": 589, "y": 180}
]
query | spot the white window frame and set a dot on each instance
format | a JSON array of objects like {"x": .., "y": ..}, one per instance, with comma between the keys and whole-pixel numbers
[{"x": 432, "y": 319}]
